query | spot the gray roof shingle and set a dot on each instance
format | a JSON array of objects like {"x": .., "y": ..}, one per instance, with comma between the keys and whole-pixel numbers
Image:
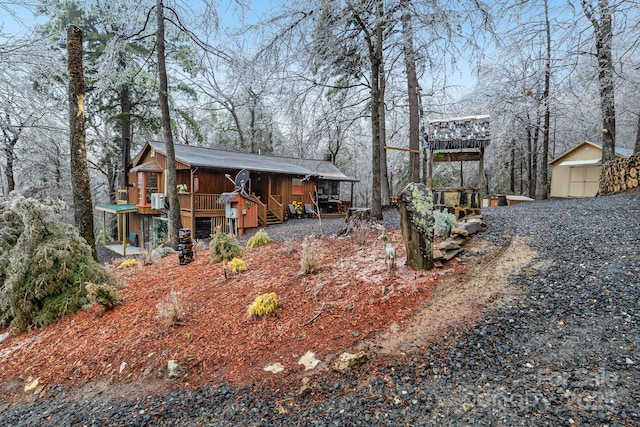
[{"x": 233, "y": 160}]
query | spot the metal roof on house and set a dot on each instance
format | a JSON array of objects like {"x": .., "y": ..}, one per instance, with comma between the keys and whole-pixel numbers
[
  {"x": 321, "y": 168},
  {"x": 224, "y": 159},
  {"x": 151, "y": 166}
]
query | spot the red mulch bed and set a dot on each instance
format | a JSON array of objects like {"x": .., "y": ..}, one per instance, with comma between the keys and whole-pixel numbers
[{"x": 216, "y": 341}]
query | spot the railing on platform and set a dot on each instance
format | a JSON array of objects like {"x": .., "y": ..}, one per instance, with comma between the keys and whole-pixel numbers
[
  {"x": 207, "y": 202},
  {"x": 262, "y": 214},
  {"x": 275, "y": 206}
]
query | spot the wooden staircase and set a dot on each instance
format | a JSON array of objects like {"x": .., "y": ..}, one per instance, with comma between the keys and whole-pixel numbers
[{"x": 271, "y": 218}]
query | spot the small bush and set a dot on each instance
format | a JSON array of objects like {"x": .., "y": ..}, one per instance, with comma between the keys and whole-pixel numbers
[
  {"x": 128, "y": 263},
  {"x": 171, "y": 309},
  {"x": 443, "y": 222},
  {"x": 289, "y": 247},
  {"x": 103, "y": 237},
  {"x": 162, "y": 251},
  {"x": 263, "y": 305},
  {"x": 104, "y": 294},
  {"x": 147, "y": 258},
  {"x": 237, "y": 265},
  {"x": 310, "y": 256},
  {"x": 260, "y": 238},
  {"x": 224, "y": 247}
]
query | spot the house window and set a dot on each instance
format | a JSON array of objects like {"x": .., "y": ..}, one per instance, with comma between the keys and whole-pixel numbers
[
  {"x": 147, "y": 184},
  {"x": 297, "y": 186}
]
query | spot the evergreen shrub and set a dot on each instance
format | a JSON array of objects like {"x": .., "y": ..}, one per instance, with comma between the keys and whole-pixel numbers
[
  {"x": 260, "y": 238},
  {"x": 263, "y": 305},
  {"x": 224, "y": 247},
  {"x": 44, "y": 264}
]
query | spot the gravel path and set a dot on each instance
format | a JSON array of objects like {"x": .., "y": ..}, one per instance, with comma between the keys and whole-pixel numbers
[{"x": 566, "y": 352}]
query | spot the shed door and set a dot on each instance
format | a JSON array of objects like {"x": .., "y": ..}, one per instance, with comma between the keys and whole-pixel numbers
[{"x": 583, "y": 181}]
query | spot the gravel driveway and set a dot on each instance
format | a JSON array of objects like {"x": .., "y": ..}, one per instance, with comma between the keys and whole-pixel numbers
[{"x": 566, "y": 352}]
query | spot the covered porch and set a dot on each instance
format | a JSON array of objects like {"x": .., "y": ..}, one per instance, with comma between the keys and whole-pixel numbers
[{"x": 120, "y": 210}]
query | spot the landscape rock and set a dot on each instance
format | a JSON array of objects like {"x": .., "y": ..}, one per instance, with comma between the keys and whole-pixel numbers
[
  {"x": 274, "y": 367},
  {"x": 450, "y": 244},
  {"x": 31, "y": 385},
  {"x": 174, "y": 369},
  {"x": 348, "y": 361},
  {"x": 457, "y": 231},
  {"x": 308, "y": 360},
  {"x": 446, "y": 256},
  {"x": 471, "y": 227},
  {"x": 308, "y": 386}
]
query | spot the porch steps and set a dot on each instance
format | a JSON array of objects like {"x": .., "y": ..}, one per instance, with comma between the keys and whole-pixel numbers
[{"x": 272, "y": 219}]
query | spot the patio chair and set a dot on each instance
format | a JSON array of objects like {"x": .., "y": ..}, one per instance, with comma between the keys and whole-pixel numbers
[
  {"x": 308, "y": 210},
  {"x": 293, "y": 213}
]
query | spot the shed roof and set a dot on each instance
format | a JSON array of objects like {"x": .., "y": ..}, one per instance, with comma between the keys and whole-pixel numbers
[
  {"x": 207, "y": 157},
  {"x": 119, "y": 208},
  {"x": 621, "y": 152}
]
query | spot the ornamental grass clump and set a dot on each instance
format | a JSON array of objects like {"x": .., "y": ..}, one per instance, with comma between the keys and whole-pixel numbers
[
  {"x": 224, "y": 247},
  {"x": 44, "y": 264},
  {"x": 237, "y": 265},
  {"x": 259, "y": 239},
  {"x": 263, "y": 305},
  {"x": 103, "y": 294},
  {"x": 309, "y": 260},
  {"x": 171, "y": 309}
]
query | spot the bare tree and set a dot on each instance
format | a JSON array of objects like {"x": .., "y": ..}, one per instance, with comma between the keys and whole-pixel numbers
[
  {"x": 546, "y": 102},
  {"x": 163, "y": 97},
  {"x": 601, "y": 16},
  {"x": 637, "y": 146},
  {"x": 412, "y": 92},
  {"x": 80, "y": 182}
]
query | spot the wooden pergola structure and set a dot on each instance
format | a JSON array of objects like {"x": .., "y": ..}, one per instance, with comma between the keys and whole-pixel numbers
[{"x": 459, "y": 139}]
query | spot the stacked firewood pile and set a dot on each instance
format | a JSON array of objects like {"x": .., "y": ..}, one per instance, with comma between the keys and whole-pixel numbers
[
  {"x": 185, "y": 246},
  {"x": 620, "y": 175}
]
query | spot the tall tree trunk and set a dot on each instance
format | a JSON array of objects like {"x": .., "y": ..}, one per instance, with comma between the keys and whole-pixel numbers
[
  {"x": 385, "y": 191},
  {"x": 125, "y": 133},
  {"x": 529, "y": 156},
  {"x": 412, "y": 92},
  {"x": 637, "y": 147},
  {"x": 80, "y": 182},
  {"x": 163, "y": 97},
  {"x": 534, "y": 159},
  {"x": 547, "y": 108},
  {"x": 376, "y": 206},
  {"x": 603, "y": 32},
  {"x": 8, "y": 171},
  {"x": 512, "y": 186}
]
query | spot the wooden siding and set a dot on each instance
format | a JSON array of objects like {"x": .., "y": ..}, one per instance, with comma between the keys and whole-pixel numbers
[{"x": 204, "y": 187}]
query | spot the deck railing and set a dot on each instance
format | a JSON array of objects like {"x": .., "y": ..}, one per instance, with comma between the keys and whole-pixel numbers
[
  {"x": 275, "y": 206},
  {"x": 262, "y": 214},
  {"x": 202, "y": 203}
]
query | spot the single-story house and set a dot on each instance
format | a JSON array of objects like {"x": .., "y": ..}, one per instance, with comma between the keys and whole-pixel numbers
[
  {"x": 576, "y": 173},
  {"x": 205, "y": 174}
]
